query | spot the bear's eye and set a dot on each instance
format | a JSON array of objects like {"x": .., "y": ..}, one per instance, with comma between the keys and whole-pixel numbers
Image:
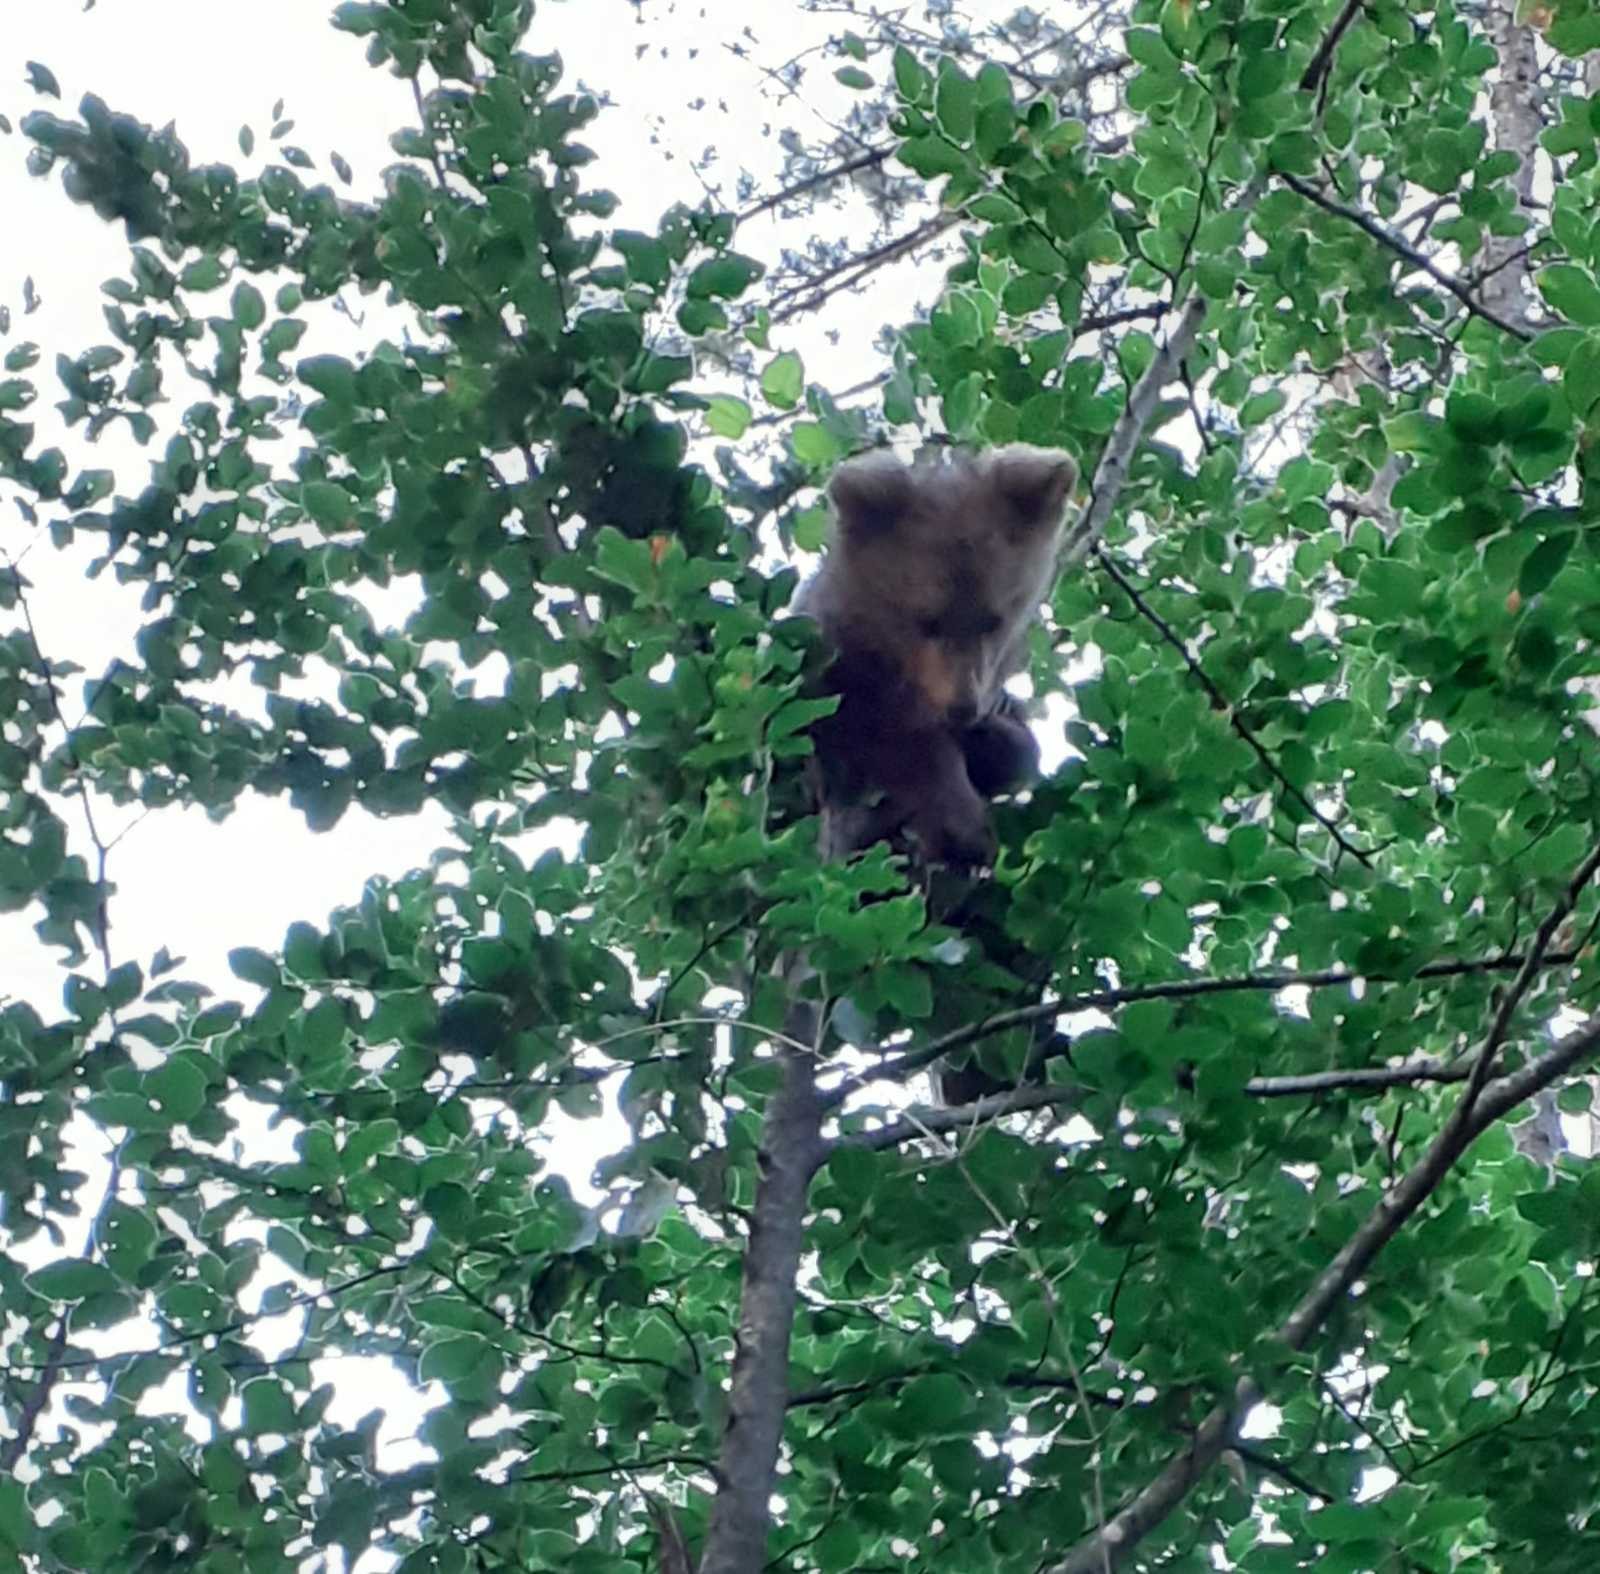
[
  {"x": 984, "y": 626},
  {"x": 930, "y": 627}
]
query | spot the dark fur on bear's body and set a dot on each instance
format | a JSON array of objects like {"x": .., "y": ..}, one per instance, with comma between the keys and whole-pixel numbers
[{"x": 931, "y": 580}]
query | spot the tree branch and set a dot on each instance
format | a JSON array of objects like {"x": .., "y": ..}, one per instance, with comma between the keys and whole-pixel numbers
[
  {"x": 1501, "y": 1026},
  {"x": 868, "y": 160},
  {"x": 1403, "y": 249},
  {"x": 1426, "y": 1068},
  {"x": 811, "y": 293},
  {"x": 1116, "y": 1539},
  {"x": 1514, "y": 108},
  {"x": 790, "y": 1153},
  {"x": 1315, "y": 77},
  {"x": 1112, "y": 471},
  {"x": 911, "y": 1060},
  {"x": 958, "y": 1117}
]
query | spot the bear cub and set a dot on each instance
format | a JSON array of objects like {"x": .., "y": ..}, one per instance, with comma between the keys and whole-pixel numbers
[{"x": 931, "y": 579}]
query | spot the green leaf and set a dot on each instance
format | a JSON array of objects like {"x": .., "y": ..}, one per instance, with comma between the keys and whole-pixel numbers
[
  {"x": 815, "y": 445},
  {"x": 249, "y": 307},
  {"x": 71, "y": 1279},
  {"x": 16, "y": 1522},
  {"x": 1260, "y": 408},
  {"x": 1572, "y": 292},
  {"x": 179, "y": 1086},
  {"x": 452, "y": 1359},
  {"x": 42, "y": 79},
  {"x": 725, "y": 277},
  {"x": 933, "y": 1405},
  {"x": 782, "y": 380},
  {"x": 205, "y": 274},
  {"x": 1262, "y": 73},
  {"x": 268, "y": 1407},
  {"x": 254, "y": 966},
  {"x": 727, "y": 417},
  {"x": 955, "y": 102},
  {"x": 1544, "y": 562},
  {"x": 997, "y": 124},
  {"x": 655, "y": 374},
  {"x": 854, "y": 77},
  {"x": 811, "y": 529},
  {"x": 329, "y": 375},
  {"x": 1149, "y": 48},
  {"x": 910, "y": 79},
  {"x": 1580, "y": 376},
  {"x": 931, "y": 156},
  {"x": 624, "y": 561}
]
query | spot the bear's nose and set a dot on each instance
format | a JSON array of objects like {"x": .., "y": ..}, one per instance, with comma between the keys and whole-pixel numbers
[{"x": 963, "y": 713}]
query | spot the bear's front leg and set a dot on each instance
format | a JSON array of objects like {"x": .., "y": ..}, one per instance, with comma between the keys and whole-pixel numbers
[{"x": 1001, "y": 751}]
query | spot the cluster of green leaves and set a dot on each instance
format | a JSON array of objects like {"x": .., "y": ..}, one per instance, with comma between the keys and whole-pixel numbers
[{"x": 1357, "y": 750}]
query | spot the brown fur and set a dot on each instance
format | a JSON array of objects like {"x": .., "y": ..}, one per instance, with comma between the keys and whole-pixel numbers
[{"x": 925, "y": 596}]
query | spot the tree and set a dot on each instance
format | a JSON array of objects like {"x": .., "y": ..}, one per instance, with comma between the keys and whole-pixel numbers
[{"x": 1244, "y": 1263}]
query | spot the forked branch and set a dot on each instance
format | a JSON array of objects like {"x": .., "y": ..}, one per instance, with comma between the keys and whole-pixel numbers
[{"x": 1111, "y": 1545}]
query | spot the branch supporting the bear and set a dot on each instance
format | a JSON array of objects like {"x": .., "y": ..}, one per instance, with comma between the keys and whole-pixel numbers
[
  {"x": 758, "y": 1398},
  {"x": 1113, "y": 1543}
]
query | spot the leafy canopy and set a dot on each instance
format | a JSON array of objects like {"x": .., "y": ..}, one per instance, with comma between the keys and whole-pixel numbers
[{"x": 1327, "y": 723}]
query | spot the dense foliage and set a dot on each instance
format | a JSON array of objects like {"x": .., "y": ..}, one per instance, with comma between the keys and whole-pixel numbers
[{"x": 1333, "y": 363}]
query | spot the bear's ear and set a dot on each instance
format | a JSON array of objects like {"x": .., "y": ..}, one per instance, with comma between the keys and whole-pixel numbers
[
  {"x": 870, "y": 493},
  {"x": 1034, "y": 481}
]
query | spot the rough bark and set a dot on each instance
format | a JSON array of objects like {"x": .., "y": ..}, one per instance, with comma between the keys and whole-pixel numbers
[
  {"x": 758, "y": 1399},
  {"x": 1515, "y": 111}
]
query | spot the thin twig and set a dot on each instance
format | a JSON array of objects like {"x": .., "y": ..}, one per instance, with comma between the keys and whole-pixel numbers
[
  {"x": 777, "y": 417},
  {"x": 31, "y": 1408},
  {"x": 1500, "y": 1027},
  {"x": 868, "y": 160},
  {"x": 936, "y": 1122},
  {"x": 1315, "y": 77},
  {"x": 1275, "y": 1467},
  {"x": 796, "y": 299},
  {"x": 1223, "y": 704},
  {"x": 1113, "y": 319}
]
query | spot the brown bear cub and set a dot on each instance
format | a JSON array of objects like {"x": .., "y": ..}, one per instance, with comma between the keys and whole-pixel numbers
[{"x": 932, "y": 578}]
